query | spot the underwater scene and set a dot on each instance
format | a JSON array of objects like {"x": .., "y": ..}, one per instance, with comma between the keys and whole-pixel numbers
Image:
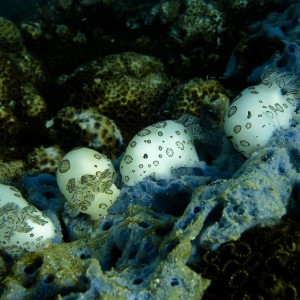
[{"x": 149, "y": 149}]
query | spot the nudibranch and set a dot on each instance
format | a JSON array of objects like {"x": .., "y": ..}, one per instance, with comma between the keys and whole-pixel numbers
[
  {"x": 86, "y": 179},
  {"x": 159, "y": 149},
  {"x": 23, "y": 228},
  {"x": 258, "y": 111}
]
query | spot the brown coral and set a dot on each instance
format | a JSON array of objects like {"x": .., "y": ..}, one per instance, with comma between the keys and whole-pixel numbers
[
  {"x": 128, "y": 88},
  {"x": 201, "y": 98},
  {"x": 86, "y": 127},
  {"x": 11, "y": 172},
  {"x": 45, "y": 160},
  {"x": 10, "y": 37},
  {"x": 9, "y": 79},
  {"x": 9, "y": 127},
  {"x": 23, "y": 109},
  {"x": 32, "y": 103}
]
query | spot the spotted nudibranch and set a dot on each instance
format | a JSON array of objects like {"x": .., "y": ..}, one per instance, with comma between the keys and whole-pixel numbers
[
  {"x": 86, "y": 179},
  {"x": 23, "y": 228},
  {"x": 159, "y": 149},
  {"x": 258, "y": 111}
]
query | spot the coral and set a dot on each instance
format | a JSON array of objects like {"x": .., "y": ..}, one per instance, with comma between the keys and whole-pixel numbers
[
  {"x": 126, "y": 87},
  {"x": 158, "y": 150},
  {"x": 33, "y": 105},
  {"x": 158, "y": 20},
  {"x": 23, "y": 227},
  {"x": 32, "y": 30},
  {"x": 10, "y": 37},
  {"x": 190, "y": 20},
  {"x": 239, "y": 5},
  {"x": 64, "y": 5},
  {"x": 208, "y": 100},
  {"x": 149, "y": 242},
  {"x": 44, "y": 160},
  {"x": 202, "y": 98},
  {"x": 200, "y": 19},
  {"x": 11, "y": 171},
  {"x": 9, "y": 78},
  {"x": 245, "y": 6},
  {"x": 264, "y": 263},
  {"x": 189, "y": 36},
  {"x": 167, "y": 11},
  {"x": 10, "y": 126},
  {"x": 50, "y": 272},
  {"x": 31, "y": 70},
  {"x": 257, "y": 194},
  {"x": 196, "y": 31},
  {"x": 86, "y": 127},
  {"x": 142, "y": 258},
  {"x": 23, "y": 109}
]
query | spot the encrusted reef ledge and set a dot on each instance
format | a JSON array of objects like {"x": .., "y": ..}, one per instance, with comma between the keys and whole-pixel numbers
[{"x": 142, "y": 257}]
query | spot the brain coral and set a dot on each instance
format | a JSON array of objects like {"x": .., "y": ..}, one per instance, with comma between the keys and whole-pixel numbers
[{"x": 126, "y": 87}]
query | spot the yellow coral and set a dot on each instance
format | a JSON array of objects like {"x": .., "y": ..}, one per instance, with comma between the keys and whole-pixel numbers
[
  {"x": 9, "y": 126},
  {"x": 199, "y": 97},
  {"x": 33, "y": 104},
  {"x": 10, "y": 37},
  {"x": 126, "y": 87},
  {"x": 86, "y": 127}
]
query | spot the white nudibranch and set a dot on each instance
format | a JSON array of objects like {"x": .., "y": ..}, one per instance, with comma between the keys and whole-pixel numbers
[
  {"x": 259, "y": 110},
  {"x": 23, "y": 228},
  {"x": 86, "y": 179},
  {"x": 159, "y": 149}
]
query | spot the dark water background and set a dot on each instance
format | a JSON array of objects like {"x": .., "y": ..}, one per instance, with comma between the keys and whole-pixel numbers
[{"x": 16, "y": 9}]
